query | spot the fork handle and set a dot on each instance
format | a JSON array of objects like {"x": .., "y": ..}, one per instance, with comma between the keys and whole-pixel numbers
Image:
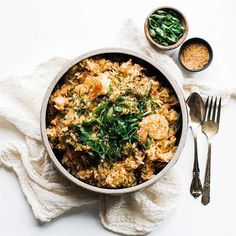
[
  {"x": 207, "y": 180},
  {"x": 196, "y": 186}
]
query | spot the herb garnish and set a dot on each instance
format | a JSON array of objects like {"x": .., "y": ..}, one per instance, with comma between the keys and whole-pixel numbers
[
  {"x": 112, "y": 129},
  {"x": 165, "y": 27}
]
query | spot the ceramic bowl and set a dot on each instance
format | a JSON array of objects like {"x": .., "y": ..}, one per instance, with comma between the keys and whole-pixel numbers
[
  {"x": 153, "y": 68},
  {"x": 183, "y": 20},
  {"x": 192, "y": 41}
]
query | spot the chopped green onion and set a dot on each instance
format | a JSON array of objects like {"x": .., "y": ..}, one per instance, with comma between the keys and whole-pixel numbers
[{"x": 165, "y": 27}]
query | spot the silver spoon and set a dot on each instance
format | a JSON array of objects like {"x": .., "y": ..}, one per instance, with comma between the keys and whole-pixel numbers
[{"x": 196, "y": 112}]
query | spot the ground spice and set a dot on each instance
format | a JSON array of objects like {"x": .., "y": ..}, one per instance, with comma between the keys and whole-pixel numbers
[{"x": 195, "y": 56}]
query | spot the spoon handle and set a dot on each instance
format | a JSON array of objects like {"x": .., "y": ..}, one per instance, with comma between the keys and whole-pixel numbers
[{"x": 196, "y": 186}]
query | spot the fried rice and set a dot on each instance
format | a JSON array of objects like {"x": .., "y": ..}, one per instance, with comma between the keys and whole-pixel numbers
[{"x": 111, "y": 125}]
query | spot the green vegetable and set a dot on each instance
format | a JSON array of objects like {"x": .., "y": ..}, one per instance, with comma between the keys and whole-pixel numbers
[
  {"x": 97, "y": 147},
  {"x": 165, "y": 27},
  {"x": 81, "y": 111},
  {"x": 111, "y": 129}
]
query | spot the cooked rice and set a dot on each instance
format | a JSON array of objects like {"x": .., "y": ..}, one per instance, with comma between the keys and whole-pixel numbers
[{"x": 87, "y": 148}]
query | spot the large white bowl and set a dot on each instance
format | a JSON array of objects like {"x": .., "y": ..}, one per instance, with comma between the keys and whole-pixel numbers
[{"x": 120, "y": 55}]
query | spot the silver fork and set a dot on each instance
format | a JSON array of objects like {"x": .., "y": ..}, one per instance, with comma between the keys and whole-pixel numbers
[{"x": 210, "y": 127}]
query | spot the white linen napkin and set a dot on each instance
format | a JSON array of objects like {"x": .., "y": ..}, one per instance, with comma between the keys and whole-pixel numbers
[{"x": 50, "y": 194}]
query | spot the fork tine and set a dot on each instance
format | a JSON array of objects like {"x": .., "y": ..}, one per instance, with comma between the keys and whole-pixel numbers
[
  {"x": 210, "y": 109},
  {"x": 219, "y": 109},
  {"x": 206, "y": 105},
  {"x": 214, "y": 110}
]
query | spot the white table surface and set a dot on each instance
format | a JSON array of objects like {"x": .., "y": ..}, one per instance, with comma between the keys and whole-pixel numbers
[{"x": 33, "y": 31}]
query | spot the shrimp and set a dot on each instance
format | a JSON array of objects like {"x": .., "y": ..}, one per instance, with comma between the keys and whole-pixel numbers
[
  {"x": 155, "y": 125},
  {"x": 60, "y": 102},
  {"x": 95, "y": 86},
  {"x": 105, "y": 81}
]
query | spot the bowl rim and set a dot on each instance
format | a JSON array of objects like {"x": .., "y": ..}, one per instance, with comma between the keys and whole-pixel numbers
[
  {"x": 78, "y": 182},
  {"x": 179, "y": 42},
  {"x": 193, "y": 40}
]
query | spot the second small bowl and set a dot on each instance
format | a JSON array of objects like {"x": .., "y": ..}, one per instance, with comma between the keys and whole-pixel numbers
[
  {"x": 192, "y": 57},
  {"x": 183, "y": 20}
]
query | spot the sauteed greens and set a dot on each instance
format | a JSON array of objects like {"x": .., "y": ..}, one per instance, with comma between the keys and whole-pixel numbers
[
  {"x": 115, "y": 128},
  {"x": 165, "y": 27}
]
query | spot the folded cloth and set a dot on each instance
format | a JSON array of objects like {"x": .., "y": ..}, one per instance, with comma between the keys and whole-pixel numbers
[{"x": 50, "y": 194}]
